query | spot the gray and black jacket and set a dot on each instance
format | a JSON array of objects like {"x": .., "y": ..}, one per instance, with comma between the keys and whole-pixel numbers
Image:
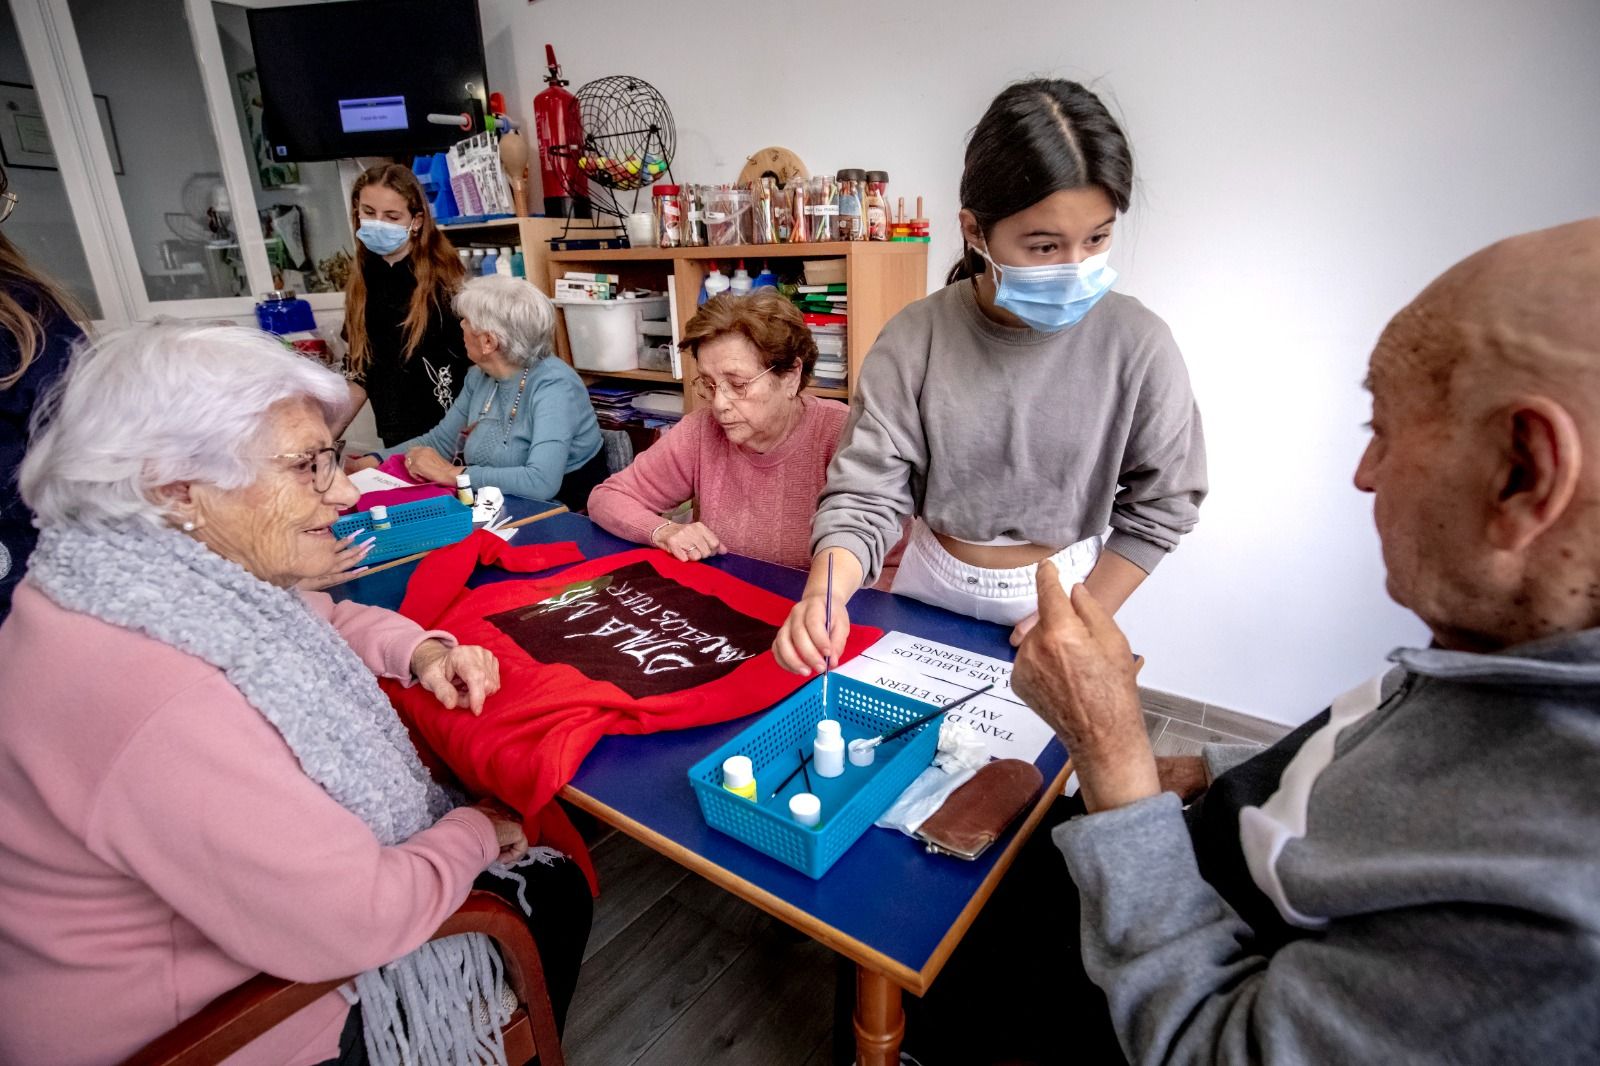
[{"x": 1413, "y": 876}]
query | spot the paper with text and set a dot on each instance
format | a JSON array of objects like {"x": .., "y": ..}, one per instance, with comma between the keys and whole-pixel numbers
[
  {"x": 938, "y": 673},
  {"x": 376, "y": 480}
]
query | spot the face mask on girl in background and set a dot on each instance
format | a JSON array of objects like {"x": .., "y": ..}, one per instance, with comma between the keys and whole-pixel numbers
[{"x": 382, "y": 238}]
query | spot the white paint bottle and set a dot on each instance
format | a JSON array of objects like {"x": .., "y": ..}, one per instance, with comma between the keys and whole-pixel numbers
[{"x": 828, "y": 749}]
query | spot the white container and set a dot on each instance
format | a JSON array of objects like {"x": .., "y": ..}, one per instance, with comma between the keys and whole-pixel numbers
[
  {"x": 641, "y": 229},
  {"x": 805, "y": 808},
  {"x": 828, "y": 749},
  {"x": 604, "y": 334}
]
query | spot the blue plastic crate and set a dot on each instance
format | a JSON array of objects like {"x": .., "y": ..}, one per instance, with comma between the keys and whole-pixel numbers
[
  {"x": 850, "y": 802},
  {"x": 419, "y": 526}
]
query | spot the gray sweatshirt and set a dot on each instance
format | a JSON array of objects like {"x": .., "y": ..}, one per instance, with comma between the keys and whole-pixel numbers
[
  {"x": 989, "y": 431},
  {"x": 1434, "y": 854}
]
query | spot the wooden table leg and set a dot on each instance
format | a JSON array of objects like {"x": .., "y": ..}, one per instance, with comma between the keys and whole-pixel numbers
[{"x": 880, "y": 1022}]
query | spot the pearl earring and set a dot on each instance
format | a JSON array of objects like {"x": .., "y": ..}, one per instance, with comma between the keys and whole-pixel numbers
[{"x": 188, "y": 527}]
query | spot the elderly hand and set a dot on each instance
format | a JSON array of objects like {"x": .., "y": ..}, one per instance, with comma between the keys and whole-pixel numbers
[
  {"x": 508, "y": 831},
  {"x": 1075, "y": 670},
  {"x": 425, "y": 464},
  {"x": 354, "y": 463},
  {"x": 448, "y": 672},
  {"x": 688, "y": 543},
  {"x": 346, "y": 564}
]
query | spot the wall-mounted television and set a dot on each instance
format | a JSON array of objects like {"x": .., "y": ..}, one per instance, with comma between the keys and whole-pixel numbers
[{"x": 360, "y": 77}]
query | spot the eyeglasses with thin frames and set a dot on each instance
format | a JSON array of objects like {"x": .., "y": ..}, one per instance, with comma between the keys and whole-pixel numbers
[
  {"x": 8, "y": 204},
  {"x": 707, "y": 389},
  {"x": 322, "y": 464}
]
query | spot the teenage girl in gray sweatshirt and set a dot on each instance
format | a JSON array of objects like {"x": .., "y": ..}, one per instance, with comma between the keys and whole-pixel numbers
[{"x": 1022, "y": 409}]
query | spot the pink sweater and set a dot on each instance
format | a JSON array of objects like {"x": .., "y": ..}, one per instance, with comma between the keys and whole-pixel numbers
[
  {"x": 758, "y": 505},
  {"x": 159, "y": 844}
]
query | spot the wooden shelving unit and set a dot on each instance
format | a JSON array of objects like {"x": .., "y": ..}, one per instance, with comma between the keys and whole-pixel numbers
[{"x": 882, "y": 277}]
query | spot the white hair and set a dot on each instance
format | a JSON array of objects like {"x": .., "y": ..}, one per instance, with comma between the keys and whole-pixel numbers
[
  {"x": 151, "y": 405},
  {"x": 513, "y": 309}
]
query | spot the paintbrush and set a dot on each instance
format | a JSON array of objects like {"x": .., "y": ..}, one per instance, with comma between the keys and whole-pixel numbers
[
  {"x": 801, "y": 769},
  {"x": 858, "y": 746}
]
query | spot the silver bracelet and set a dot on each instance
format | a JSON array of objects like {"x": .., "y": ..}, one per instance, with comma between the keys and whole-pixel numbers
[{"x": 658, "y": 529}]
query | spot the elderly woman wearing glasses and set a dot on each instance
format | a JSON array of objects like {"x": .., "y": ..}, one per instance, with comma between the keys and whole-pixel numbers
[
  {"x": 204, "y": 780},
  {"x": 523, "y": 421},
  {"x": 754, "y": 455}
]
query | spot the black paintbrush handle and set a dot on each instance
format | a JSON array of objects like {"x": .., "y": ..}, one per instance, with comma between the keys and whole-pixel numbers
[{"x": 931, "y": 715}]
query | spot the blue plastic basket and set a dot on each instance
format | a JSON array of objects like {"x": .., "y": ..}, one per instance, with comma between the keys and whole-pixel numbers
[
  {"x": 419, "y": 526},
  {"x": 850, "y": 802}
]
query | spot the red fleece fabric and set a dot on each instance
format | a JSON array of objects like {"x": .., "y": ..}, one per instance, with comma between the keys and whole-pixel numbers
[{"x": 548, "y": 715}]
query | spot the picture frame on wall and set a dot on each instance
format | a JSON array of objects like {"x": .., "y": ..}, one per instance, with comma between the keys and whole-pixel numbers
[{"x": 25, "y": 139}]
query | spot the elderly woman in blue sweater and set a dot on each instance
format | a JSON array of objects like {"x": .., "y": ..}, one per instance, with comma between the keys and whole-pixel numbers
[{"x": 522, "y": 420}]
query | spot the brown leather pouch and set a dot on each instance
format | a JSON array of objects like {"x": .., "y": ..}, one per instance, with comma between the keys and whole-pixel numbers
[{"x": 979, "y": 811}]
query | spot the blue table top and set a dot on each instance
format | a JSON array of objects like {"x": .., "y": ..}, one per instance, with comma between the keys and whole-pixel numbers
[{"x": 887, "y": 903}]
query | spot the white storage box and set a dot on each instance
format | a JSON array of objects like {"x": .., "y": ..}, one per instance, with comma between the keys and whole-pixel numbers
[{"x": 604, "y": 334}]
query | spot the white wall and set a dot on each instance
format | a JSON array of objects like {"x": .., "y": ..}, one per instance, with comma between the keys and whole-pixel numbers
[{"x": 1303, "y": 170}]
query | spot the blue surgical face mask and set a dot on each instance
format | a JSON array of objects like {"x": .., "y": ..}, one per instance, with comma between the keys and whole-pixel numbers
[
  {"x": 1053, "y": 297},
  {"x": 382, "y": 238}
]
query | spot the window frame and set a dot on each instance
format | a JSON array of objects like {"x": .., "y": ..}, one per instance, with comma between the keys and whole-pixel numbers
[{"x": 61, "y": 78}]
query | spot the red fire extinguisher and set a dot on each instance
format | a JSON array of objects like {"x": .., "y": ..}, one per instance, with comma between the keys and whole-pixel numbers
[{"x": 560, "y": 133}]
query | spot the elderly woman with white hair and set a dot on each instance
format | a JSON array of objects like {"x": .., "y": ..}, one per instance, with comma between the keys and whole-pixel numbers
[
  {"x": 203, "y": 779},
  {"x": 523, "y": 421}
]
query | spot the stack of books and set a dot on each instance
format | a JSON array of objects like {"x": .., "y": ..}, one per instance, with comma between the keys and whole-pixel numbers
[
  {"x": 613, "y": 405},
  {"x": 826, "y": 309}
]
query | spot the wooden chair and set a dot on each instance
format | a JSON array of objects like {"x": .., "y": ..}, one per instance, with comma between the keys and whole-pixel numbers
[{"x": 234, "y": 1018}]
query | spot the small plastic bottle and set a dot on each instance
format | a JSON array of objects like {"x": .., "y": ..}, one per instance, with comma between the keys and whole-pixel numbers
[
  {"x": 490, "y": 263},
  {"x": 828, "y": 749},
  {"x": 805, "y": 808},
  {"x": 380, "y": 516},
  {"x": 739, "y": 777},
  {"x": 740, "y": 282},
  {"x": 519, "y": 266},
  {"x": 464, "y": 488},
  {"x": 716, "y": 284},
  {"x": 466, "y": 259},
  {"x": 502, "y": 263},
  {"x": 475, "y": 267},
  {"x": 766, "y": 279}
]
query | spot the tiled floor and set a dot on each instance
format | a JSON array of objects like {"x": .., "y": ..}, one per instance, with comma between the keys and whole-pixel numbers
[{"x": 678, "y": 971}]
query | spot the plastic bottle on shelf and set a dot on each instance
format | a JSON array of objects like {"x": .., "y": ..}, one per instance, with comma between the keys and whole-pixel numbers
[
  {"x": 716, "y": 284},
  {"x": 766, "y": 279},
  {"x": 519, "y": 265},
  {"x": 466, "y": 259},
  {"x": 490, "y": 261},
  {"x": 740, "y": 282},
  {"x": 502, "y": 262},
  {"x": 828, "y": 749},
  {"x": 475, "y": 266}
]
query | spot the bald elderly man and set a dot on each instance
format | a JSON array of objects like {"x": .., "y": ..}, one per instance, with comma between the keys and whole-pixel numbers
[{"x": 1413, "y": 876}]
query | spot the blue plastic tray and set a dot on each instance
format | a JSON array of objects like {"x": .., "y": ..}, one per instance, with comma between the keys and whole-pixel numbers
[
  {"x": 413, "y": 527},
  {"x": 850, "y": 802}
]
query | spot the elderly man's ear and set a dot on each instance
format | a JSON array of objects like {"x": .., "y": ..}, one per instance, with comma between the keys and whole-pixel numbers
[{"x": 1537, "y": 473}]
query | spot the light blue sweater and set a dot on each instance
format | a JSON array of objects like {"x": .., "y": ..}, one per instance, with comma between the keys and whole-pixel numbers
[{"x": 554, "y": 432}]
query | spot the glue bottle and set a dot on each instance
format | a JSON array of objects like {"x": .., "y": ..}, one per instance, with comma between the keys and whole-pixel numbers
[
  {"x": 716, "y": 284},
  {"x": 502, "y": 262},
  {"x": 738, "y": 776},
  {"x": 828, "y": 749},
  {"x": 464, "y": 488},
  {"x": 380, "y": 516},
  {"x": 740, "y": 282}
]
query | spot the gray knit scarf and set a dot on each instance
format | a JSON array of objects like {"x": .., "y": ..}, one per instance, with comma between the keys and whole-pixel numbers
[{"x": 426, "y": 1008}]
